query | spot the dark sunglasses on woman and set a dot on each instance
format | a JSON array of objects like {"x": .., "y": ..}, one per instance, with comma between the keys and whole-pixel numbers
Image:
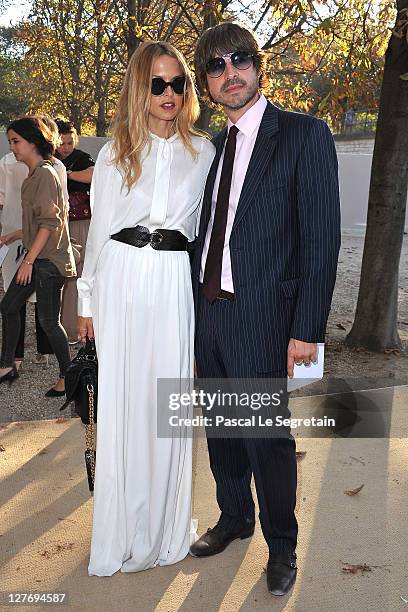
[
  {"x": 239, "y": 59},
  {"x": 159, "y": 85}
]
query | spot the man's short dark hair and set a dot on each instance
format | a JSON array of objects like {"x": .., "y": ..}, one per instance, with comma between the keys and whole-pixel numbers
[{"x": 224, "y": 38}]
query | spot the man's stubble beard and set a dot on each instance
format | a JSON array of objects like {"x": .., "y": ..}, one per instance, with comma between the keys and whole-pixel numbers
[{"x": 240, "y": 102}]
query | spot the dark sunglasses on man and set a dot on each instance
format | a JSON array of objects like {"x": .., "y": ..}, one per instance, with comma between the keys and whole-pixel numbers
[
  {"x": 241, "y": 60},
  {"x": 159, "y": 85}
]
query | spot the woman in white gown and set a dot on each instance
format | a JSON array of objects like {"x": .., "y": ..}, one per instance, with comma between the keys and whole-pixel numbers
[{"x": 137, "y": 303}]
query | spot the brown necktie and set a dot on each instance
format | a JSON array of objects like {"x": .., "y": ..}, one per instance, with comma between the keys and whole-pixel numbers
[{"x": 213, "y": 264}]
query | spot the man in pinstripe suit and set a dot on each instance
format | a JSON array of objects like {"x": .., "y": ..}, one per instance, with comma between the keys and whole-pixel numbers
[{"x": 264, "y": 270}]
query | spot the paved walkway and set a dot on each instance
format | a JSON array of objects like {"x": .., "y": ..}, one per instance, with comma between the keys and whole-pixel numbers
[{"x": 46, "y": 520}]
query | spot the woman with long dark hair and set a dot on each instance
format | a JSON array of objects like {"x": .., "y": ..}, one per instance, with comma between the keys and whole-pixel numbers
[
  {"x": 49, "y": 258},
  {"x": 135, "y": 292}
]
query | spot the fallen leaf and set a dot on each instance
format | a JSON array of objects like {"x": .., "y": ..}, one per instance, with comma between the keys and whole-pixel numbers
[
  {"x": 42, "y": 452},
  {"x": 356, "y": 459},
  {"x": 341, "y": 326},
  {"x": 2, "y": 449},
  {"x": 300, "y": 455},
  {"x": 354, "y": 491},
  {"x": 57, "y": 549},
  {"x": 349, "y": 568}
]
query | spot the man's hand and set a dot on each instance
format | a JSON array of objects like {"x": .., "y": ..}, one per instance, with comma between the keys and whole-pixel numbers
[
  {"x": 300, "y": 352},
  {"x": 85, "y": 328},
  {"x": 24, "y": 274}
]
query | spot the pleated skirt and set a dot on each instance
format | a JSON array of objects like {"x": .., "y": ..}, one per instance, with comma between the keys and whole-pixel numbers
[{"x": 143, "y": 318}]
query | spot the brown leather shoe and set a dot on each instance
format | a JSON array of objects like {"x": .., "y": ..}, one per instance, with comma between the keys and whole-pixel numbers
[
  {"x": 217, "y": 539},
  {"x": 281, "y": 573}
]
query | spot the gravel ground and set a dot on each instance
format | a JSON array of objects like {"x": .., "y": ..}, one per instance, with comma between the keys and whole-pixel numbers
[{"x": 344, "y": 368}]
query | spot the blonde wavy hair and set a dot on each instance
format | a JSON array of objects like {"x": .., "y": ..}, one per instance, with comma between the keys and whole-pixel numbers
[{"x": 130, "y": 129}]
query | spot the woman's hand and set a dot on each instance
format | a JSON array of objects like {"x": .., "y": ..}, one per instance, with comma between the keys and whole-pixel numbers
[
  {"x": 85, "y": 328},
  {"x": 24, "y": 273},
  {"x": 11, "y": 237}
]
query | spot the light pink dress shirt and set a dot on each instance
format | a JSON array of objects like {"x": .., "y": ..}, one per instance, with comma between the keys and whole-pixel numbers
[{"x": 248, "y": 126}]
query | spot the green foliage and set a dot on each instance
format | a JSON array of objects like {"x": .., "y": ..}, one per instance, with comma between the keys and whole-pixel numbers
[{"x": 13, "y": 101}]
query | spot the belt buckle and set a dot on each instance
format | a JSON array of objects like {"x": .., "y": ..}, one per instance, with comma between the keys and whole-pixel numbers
[{"x": 156, "y": 238}]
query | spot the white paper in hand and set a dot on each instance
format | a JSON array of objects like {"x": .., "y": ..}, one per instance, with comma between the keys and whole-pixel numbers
[
  {"x": 305, "y": 375},
  {"x": 3, "y": 252}
]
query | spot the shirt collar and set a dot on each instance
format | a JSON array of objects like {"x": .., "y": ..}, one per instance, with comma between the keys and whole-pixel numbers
[{"x": 251, "y": 120}]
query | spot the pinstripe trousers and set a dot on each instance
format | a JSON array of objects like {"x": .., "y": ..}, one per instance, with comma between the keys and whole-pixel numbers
[{"x": 233, "y": 461}]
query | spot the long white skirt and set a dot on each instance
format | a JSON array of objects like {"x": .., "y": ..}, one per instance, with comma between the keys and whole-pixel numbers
[{"x": 144, "y": 320}]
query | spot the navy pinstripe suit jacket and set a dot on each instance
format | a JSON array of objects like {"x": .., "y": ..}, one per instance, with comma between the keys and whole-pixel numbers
[{"x": 285, "y": 238}]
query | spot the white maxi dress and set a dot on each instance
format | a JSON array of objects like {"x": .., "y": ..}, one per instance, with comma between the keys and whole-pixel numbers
[{"x": 142, "y": 308}]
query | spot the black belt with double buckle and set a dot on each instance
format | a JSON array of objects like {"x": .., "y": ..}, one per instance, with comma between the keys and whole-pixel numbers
[{"x": 160, "y": 239}]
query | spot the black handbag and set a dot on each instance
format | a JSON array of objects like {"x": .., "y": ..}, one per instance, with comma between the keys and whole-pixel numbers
[{"x": 81, "y": 387}]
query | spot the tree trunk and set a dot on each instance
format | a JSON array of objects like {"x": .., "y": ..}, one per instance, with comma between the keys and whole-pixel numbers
[
  {"x": 210, "y": 19},
  {"x": 375, "y": 323},
  {"x": 100, "y": 92},
  {"x": 75, "y": 114},
  {"x": 132, "y": 39}
]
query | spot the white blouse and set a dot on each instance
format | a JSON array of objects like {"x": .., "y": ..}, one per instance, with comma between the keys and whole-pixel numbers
[{"x": 167, "y": 195}]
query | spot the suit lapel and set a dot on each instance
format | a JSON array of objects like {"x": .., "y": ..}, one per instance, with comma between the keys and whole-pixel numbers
[
  {"x": 260, "y": 159},
  {"x": 209, "y": 186}
]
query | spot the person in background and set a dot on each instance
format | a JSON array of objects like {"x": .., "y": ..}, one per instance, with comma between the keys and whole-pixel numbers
[
  {"x": 49, "y": 257},
  {"x": 79, "y": 166},
  {"x": 12, "y": 175}
]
